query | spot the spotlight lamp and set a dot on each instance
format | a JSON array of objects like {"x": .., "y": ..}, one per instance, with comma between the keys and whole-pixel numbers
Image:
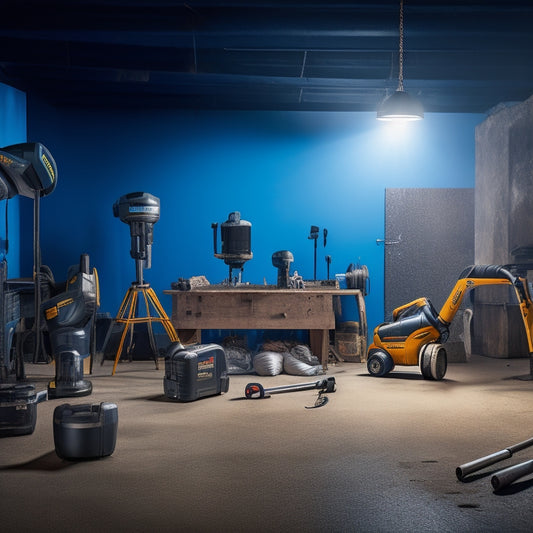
[{"x": 400, "y": 105}]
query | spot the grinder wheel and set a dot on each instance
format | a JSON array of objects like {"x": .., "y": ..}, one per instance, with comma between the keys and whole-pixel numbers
[{"x": 433, "y": 361}]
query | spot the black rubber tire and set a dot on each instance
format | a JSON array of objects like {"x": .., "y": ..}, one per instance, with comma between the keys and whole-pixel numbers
[
  {"x": 433, "y": 361},
  {"x": 379, "y": 363},
  {"x": 423, "y": 362}
]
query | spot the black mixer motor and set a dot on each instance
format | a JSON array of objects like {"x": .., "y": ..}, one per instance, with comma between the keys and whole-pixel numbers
[{"x": 236, "y": 243}]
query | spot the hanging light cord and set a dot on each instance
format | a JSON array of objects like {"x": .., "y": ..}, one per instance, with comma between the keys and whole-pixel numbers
[
  {"x": 400, "y": 105},
  {"x": 400, "y": 59}
]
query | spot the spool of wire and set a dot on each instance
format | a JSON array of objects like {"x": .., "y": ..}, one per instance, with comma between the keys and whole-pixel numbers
[{"x": 358, "y": 278}]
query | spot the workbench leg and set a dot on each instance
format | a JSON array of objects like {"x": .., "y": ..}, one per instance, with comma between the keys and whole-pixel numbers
[
  {"x": 319, "y": 343},
  {"x": 190, "y": 336},
  {"x": 363, "y": 335}
]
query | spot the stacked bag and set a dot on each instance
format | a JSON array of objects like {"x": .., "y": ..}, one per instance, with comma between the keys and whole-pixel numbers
[{"x": 276, "y": 357}]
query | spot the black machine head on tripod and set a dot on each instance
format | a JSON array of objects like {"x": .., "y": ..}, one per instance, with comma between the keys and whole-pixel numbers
[
  {"x": 137, "y": 207},
  {"x": 141, "y": 211}
]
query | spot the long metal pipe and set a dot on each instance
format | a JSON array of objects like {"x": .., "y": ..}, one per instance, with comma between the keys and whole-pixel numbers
[
  {"x": 473, "y": 466},
  {"x": 505, "y": 477}
]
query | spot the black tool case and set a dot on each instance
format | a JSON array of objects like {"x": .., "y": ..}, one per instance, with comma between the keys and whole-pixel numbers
[
  {"x": 85, "y": 431},
  {"x": 195, "y": 372},
  {"x": 18, "y": 408}
]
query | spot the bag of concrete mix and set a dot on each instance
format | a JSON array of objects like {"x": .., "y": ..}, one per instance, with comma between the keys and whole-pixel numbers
[
  {"x": 268, "y": 363},
  {"x": 292, "y": 365}
]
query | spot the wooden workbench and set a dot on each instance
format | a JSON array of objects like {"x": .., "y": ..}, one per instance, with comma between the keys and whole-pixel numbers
[{"x": 215, "y": 307}]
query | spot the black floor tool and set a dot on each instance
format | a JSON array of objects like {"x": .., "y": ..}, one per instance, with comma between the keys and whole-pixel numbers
[{"x": 256, "y": 391}]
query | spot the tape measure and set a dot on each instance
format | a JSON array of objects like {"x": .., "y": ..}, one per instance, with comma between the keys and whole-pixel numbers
[{"x": 255, "y": 391}]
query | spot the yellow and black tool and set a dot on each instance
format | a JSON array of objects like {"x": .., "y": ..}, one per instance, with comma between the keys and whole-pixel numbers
[
  {"x": 417, "y": 332},
  {"x": 70, "y": 320}
]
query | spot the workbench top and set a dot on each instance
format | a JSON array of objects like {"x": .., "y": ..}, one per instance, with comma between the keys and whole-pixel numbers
[{"x": 261, "y": 289}]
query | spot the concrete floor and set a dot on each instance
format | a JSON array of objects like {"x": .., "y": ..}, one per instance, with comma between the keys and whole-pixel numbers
[{"x": 380, "y": 456}]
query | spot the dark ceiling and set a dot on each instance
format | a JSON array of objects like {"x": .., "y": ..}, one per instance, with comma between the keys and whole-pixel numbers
[{"x": 276, "y": 55}]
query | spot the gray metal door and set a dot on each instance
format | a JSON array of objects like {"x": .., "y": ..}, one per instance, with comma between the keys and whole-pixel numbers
[{"x": 429, "y": 240}]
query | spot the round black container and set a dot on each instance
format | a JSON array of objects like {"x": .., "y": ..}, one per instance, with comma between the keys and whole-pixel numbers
[{"x": 236, "y": 236}]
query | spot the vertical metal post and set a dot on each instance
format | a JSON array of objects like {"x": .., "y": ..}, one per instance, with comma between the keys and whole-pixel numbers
[
  {"x": 36, "y": 275},
  {"x": 314, "y": 271}
]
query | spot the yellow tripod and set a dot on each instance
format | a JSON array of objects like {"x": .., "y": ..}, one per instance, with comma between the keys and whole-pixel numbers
[{"x": 128, "y": 315}]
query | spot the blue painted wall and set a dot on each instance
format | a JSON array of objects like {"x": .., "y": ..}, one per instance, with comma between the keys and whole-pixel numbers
[
  {"x": 12, "y": 131},
  {"x": 284, "y": 171}
]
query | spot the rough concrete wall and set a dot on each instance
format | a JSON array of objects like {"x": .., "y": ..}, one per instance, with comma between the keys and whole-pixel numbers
[
  {"x": 504, "y": 184},
  {"x": 503, "y": 222},
  {"x": 521, "y": 180}
]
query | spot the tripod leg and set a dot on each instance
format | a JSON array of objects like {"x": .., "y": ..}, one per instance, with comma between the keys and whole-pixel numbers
[
  {"x": 131, "y": 344},
  {"x": 131, "y": 297},
  {"x": 127, "y": 316},
  {"x": 171, "y": 332},
  {"x": 106, "y": 340},
  {"x": 153, "y": 346},
  {"x": 120, "y": 346},
  {"x": 118, "y": 319}
]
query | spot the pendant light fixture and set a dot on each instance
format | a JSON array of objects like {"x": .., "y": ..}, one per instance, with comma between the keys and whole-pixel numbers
[{"x": 400, "y": 105}]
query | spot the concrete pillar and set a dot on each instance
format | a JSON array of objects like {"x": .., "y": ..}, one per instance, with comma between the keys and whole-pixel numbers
[{"x": 503, "y": 223}]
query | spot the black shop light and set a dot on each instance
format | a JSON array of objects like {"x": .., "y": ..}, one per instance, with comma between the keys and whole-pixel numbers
[{"x": 400, "y": 105}]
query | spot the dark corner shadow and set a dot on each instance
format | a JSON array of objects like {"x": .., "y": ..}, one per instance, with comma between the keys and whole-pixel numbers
[
  {"x": 513, "y": 488},
  {"x": 49, "y": 462}
]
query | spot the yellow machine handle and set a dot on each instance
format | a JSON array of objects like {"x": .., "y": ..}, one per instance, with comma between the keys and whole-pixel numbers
[{"x": 478, "y": 275}]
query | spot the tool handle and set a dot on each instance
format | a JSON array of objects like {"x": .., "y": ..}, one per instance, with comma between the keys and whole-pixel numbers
[{"x": 505, "y": 477}]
